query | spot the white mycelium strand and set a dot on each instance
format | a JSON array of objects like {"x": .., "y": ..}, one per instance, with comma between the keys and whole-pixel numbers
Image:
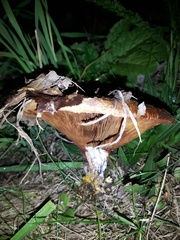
[
  {"x": 123, "y": 125},
  {"x": 126, "y": 111}
]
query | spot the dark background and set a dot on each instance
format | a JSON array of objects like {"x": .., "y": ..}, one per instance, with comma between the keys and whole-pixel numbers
[{"x": 83, "y": 16}]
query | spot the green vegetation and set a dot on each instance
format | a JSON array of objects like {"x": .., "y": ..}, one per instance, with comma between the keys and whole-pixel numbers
[{"x": 131, "y": 48}]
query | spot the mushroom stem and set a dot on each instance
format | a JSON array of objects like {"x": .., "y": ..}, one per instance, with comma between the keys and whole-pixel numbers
[{"x": 97, "y": 161}]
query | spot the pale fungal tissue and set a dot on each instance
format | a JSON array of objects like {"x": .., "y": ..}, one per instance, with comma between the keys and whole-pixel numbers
[
  {"x": 97, "y": 159},
  {"x": 141, "y": 109}
]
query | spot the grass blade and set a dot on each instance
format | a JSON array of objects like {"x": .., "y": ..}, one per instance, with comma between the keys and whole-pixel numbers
[
  {"x": 16, "y": 27},
  {"x": 122, "y": 156},
  {"x": 47, "y": 167},
  {"x": 99, "y": 224},
  {"x": 124, "y": 220},
  {"x": 37, "y": 219}
]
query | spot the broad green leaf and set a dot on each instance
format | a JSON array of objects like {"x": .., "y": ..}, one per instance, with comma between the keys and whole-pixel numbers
[
  {"x": 69, "y": 212},
  {"x": 86, "y": 52},
  {"x": 132, "y": 49},
  {"x": 65, "y": 199},
  {"x": 134, "y": 188}
]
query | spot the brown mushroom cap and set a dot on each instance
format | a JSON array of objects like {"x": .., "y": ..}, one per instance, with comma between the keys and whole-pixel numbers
[{"x": 67, "y": 113}]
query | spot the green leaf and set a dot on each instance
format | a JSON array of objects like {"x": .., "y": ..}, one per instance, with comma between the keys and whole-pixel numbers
[
  {"x": 177, "y": 173},
  {"x": 150, "y": 165},
  {"x": 72, "y": 148},
  {"x": 69, "y": 212},
  {"x": 164, "y": 131},
  {"x": 5, "y": 141},
  {"x": 67, "y": 215},
  {"x": 62, "y": 218},
  {"x": 134, "y": 188},
  {"x": 86, "y": 52},
  {"x": 162, "y": 162},
  {"x": 65, "y": 199},
  {"x": 122, "y": 156},
  {"x": 132, "y": 49}
]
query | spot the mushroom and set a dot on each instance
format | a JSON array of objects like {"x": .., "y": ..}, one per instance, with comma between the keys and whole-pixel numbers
[{"x": 96, "y": 125}]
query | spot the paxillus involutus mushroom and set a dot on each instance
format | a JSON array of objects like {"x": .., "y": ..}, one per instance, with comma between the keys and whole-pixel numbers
[{"x": 96, "y": 125}]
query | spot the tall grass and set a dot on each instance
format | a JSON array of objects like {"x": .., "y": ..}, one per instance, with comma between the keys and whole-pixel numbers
[{"x": 33, "y": 52}]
